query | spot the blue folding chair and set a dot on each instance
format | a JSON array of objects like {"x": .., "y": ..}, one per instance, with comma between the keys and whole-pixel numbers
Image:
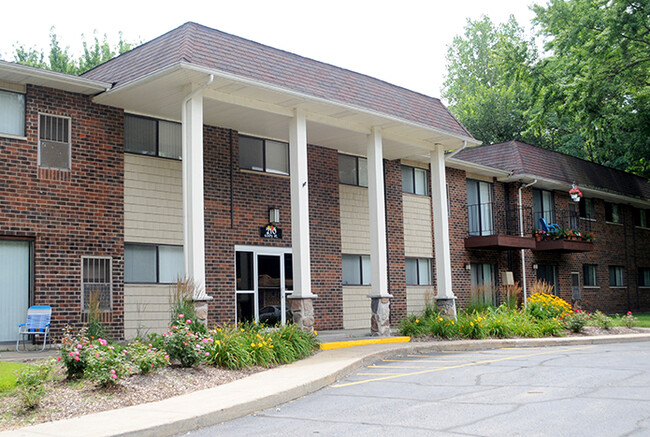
[
  {"x": 549, "y": 228},
  {"x": 38, "y": 323}
]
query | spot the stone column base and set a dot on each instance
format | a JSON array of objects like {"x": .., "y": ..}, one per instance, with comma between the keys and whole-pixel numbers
[
  {"x": 303, "y": 312},
  {"x": 446, "y": 306},
  {"x": 380, "y": 319},
  {"x": 201, "y": 309}
]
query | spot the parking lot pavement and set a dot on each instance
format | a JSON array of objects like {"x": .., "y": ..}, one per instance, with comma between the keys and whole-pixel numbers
[{"x": 595, "y": 390}]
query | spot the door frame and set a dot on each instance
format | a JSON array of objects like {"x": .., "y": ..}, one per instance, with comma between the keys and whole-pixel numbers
[
  {"x": 279, "y": 252},
  {"x": 31, "y": 265}
]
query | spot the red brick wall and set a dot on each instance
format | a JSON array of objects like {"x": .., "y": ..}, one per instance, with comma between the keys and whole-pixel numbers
[
  {"x": 67, "y": 214},
  {"x": 395, "y": 239}
]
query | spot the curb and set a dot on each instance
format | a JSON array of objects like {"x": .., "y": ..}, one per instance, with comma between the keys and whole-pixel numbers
[
  {"x": 270, "y": 388},
  {"x": 352, "y": 343}
]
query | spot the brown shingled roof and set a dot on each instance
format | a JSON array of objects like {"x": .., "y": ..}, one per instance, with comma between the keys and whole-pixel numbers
[
  {"x": 522, "y": 158},
  {"x": 210, "y": 48}
]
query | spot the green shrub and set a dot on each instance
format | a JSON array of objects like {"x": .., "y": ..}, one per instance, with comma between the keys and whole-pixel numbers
[
  {"x": 627, "y": 320},
  {"x": 442, "y": 327},
  {"x": 575, "y": 321},
  {"x": 550, "y": 327},
  {"x": 183, "y": 344},
  {"x": 472, "y": 325},
  {"x": 547, "y": 306},
  {"x": 498, "y": 323},
  {"x": 30, "y": 383},
  {"x": 601, "y": 320},
  {"x": 225, "y": 348},
  {"x": 106, "y": 363},
  {"x": 146, "y": 357},
  {"x": 412, "y": 326},
  {"x": 73, "y": 352}
]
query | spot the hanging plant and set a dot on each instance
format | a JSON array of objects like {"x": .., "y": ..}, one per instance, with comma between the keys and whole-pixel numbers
[{"x": 575, "y": 193}]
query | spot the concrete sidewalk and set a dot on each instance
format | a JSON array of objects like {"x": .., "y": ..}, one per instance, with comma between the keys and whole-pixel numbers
[{"x": 269, "y": 388}]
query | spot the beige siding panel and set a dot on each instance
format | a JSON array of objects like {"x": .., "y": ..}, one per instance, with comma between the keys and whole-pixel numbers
[
  {"x": 417, "y": 298},
  {"x": 356, "y": 307},
  {"x": 153, "y": 202},
  {"x": 417, "y": 226},
  {"x": 355, "y": 221},
  {"x": 146, "y": 309}
]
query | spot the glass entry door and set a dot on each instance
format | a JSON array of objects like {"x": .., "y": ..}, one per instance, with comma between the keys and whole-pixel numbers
[{"x": 264, "y": 278}]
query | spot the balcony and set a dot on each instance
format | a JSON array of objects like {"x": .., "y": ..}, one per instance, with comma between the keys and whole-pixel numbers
[
  {"x": 574, "y": 235},
  {"x": 492, "y": 228}
]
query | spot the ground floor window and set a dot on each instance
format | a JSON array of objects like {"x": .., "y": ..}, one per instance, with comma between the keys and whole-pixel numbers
[
  {"x": 616, "y": 276},
  {"x": 589, "y": 275},
  {"x": 418, "y": 271},
  {"x": 644, "y": 277},
  {"x": 483, "y": 283},
  {"x": 96, "y": 283},
  {"x": 264, "y": 278},
  {"x": 153, "y": 263},
  {"x": 356, "y": 269}
]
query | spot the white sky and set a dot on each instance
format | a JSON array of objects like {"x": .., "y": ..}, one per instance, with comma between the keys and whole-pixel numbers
[{"x": 400, "y": 41}]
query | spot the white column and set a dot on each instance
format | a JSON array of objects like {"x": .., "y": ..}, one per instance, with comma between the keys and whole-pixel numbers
[
  {"x": 441, "y": 224},
  {"x": 193, "y": 214},
  {"x": 299, "y": 206},
  {"x": 377, "y": 206}
]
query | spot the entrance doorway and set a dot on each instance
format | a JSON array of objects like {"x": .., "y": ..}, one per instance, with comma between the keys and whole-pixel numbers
[
  {"x": 15, "y": 286},
  {"x": 264, "y": 278}
]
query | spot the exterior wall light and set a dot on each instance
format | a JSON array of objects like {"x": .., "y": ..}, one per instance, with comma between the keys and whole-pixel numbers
[{"x": 274, "y": 215}]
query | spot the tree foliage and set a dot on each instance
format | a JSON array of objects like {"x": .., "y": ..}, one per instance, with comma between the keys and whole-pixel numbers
[
  {"x": 587, "y": 95},
  {"x": 59, "y": 58}
]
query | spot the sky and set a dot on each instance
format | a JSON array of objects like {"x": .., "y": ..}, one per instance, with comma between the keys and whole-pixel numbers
[{"x": 403, "y": 42}]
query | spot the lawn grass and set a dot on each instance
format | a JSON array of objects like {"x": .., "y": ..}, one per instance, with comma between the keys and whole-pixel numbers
[
  {"x": 7, "y": 376},
  {"x": 642, "y": 319}
]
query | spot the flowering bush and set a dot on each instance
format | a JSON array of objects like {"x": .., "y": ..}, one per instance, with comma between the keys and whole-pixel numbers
[
  {"x": 73, "y": 354},
  {"x": 472, "y": 326},
  {"x": 106, "y": 363},
  {"x": 225, "y": 348},
  {"x": 145, "y": 357},
  {"x": 628, "y": 320},
  {"x": 547, "y": 306},
  {"x": 183, "y": 344},
  {"x": 575, "y": 321},
  {"x": 442, "y": 327},
  {"x": 412, "y": 326},
  {"x": 602, "y": 320}
]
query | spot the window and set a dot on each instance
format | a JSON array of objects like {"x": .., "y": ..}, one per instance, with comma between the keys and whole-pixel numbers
[
  {"x": 482, "y": 282},
  {"x": 589, "y": 275},
  {"x": 641, "y": 218},
  {"x": 548, "y": 274},
  {"x": 53, "y": 142},
  {"x": 149, "y": 263},
  {"x": 12, "y": 113},
  {"x": 353, "y": 170},
  {"x": 263, "y": 155},
  {"x": 479, "y": 208},
  {"x": 587, "y": 208},
  {"x": 356, "y": 270},
  {"x": 612, "y": 213},
  {"x": 415, "y": 180},
  {"x": 616, "y": 276},
  {"x": 96, "y": 283},
  {"x": 543, "y": 206},
  {"x": 644, "y": 277},
  {"x": 418, "y": 271},
  {"x": 149, "y": 136}
]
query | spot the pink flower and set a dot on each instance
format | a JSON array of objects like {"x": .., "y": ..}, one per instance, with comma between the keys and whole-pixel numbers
[
  {"x": 71, "y": 354},
  {"x": 151, "y": 364},
  {"x": 207, "y": 354},
  {"x": 113, "y": 371},
  {"x": 79, "y": 346},
  {"x": 76, "y": 358},
  {"x": 166, "y": 357},
  {"x": 188, "y": 321},
  {"x": 180, "y": 316},
  {"x": 58, "y": 358},
  {"x": 102, "y": 342},
  {"x": 96, "y": 354},
  {"x": 114, "y": 376}
]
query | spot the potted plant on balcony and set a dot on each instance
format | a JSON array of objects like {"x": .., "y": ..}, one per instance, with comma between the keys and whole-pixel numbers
[
  {"x": 558, "y": 234},
  {"x": 588, "y": 236},
  {"x": 540, "y": 234},
  {"x": 575, "y": 193}
]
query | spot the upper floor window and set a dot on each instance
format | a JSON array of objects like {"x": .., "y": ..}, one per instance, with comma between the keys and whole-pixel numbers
[
  {"x": 616, "y": 276},
  {"x": 543, "y": 206},
  {"x": 418, "y": 271},
  {"x": 612, "y": 213},
  {"x": 479, "y": 208},
  {"x": 415, "y": 180},
  {"x": 54, "y": 142},
  {"x": 149, "y": 136},
  {"x": 587, "y": 208},
  {"x": 641, "y": 218},
  {"x": 353, "y": 170},
  {"x": 263, "y": 155},
  {"x": 150, "y": 263},
  {"x": 356, "y": 270},
  {"x": 589, "y": 274},
  {"x": 12, "y": 113}
]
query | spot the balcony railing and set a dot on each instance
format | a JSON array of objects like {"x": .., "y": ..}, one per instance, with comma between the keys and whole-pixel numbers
[
  {"x": 566, "y": 219},
  {"x": 489, "y": 219}
]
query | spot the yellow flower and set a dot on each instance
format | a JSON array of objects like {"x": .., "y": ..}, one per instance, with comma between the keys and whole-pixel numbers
[
  {"x": 417, "y": 320},
  {"x": 252, "y": 344},
  {"x": 440, "y": 319},
  {"x": 218, "y": 342},
  {"x": 471, "y": 323},
  {"x": 315, "y": 332},
  {"x": 259, "y": 344}
]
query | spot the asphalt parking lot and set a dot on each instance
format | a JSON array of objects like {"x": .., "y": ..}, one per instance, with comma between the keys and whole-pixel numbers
[{"x": 596, "y": 390}]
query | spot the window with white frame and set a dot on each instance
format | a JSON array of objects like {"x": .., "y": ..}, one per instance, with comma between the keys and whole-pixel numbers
[
  {"x": 151, "y": 263},
  {"x": 54, "y": 142},
  {"x": 418, "y": 271},
  {"x": 415, "y": 180},
  {"x": 616, "y": 276},
  {"x": 353, "y": 170},
  {"x": 96, "y": 283},
  {"x": 356, "y": 270},
  {"x": 12, "y": 113},
  {"x": 480, "y": 208},
  {"x": 263, "y": 155},
  {"x": 150, "y": 136},
  {"x": 589, "y": 275}
]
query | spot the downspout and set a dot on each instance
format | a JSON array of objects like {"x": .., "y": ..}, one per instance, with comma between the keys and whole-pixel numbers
[
  {"x": 521, "y": 234},
  {"x": 455, "y": 152}
]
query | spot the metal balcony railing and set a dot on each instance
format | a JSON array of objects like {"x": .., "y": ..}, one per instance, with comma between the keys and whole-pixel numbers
[
  {"x": 566, "y": 219},
  {"x": 487, "y": 219}
]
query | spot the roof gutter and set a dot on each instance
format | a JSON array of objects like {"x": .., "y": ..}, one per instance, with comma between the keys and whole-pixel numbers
[
  {"x": 55, "y": 76},
  {"x": 455, "y": 152}
]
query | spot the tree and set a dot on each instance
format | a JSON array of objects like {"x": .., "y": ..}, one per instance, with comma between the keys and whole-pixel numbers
[
  {"x": 60, "y": 59},
  {"x": 488, "y": 82}
]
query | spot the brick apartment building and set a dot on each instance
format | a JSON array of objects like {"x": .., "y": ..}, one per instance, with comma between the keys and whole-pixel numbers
[{"x": 305, "y": 191}]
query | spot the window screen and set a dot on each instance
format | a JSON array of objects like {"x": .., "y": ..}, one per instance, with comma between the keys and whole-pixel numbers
[
  {"x": 277, "y": 157},
  {"x": 54, "y": 142},
  {"x": 251, "y": 153},
  {"x": 169, "y": 139},
  {"x": 12, "y": 113},
  {"x": 96, "y": 283},
  {"x": 140, "y": 135}
]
